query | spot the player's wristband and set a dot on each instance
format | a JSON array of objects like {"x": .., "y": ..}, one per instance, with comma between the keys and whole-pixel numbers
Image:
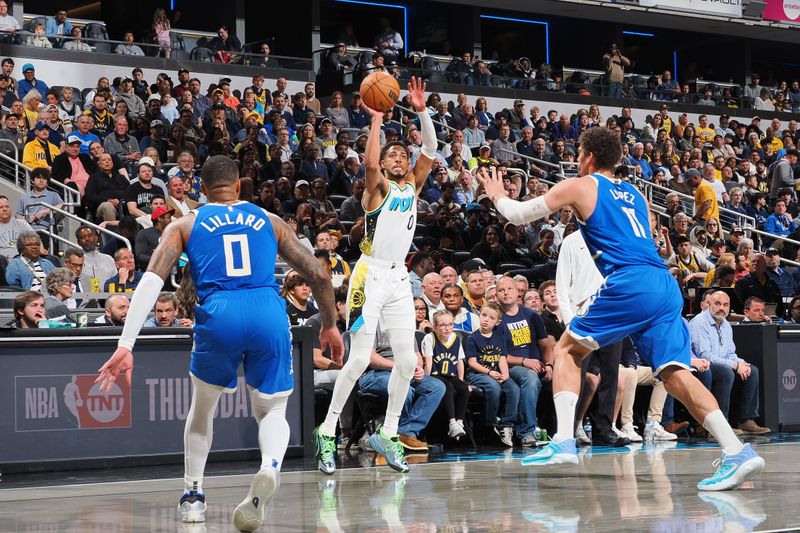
[
  {"x": 428, "y": 135},
  {"x": 144, "y": 298}
]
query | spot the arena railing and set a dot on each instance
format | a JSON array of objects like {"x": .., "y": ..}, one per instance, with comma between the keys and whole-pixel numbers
[
  {"x": 82, "y": 221},
  {"x": 13, "y": 145},
  {"x": 22, "y": 178},
  {"x": 198, "y": 53}
]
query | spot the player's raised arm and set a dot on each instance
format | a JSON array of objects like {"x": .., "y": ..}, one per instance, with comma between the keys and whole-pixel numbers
[
  {"x": 375, "y": 182},
  {"x": 164, "y": 258},
  {"x": 576, "y": 192},
  {"x": 306, "y": 265},
  {"x": 416, "y": 90}
]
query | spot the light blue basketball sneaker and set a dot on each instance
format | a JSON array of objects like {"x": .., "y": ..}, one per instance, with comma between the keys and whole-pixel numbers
[
  {"x": 733, "y": 470},
  {"x": 554, "y": 453}
]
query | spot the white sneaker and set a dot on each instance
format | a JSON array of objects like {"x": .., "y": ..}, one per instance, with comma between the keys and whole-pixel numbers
[
  {"x": 581, "y": 437},
  {"x": 456, "y": 430},
  {"x": 659, "y": 433},
  {"x": 506, "y": 436},
  {"x": 629, "y": 430},
  {"x": 618, "y": 433},
  {"x": 192, "y": 507},
  {"x": 249, "y": 515}
]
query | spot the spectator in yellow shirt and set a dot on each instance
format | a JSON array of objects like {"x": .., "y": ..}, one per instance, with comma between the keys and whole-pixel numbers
[
  {"x": 40, "y": 152},
  {"x": 705, "y": 199},
  {"x": 705, "y": 133}
]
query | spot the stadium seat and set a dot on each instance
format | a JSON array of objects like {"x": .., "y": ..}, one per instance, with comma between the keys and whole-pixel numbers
[
  {"x": 202, "y": 53},
  {"x": 337, "y": 200},
  {"x": 97, "y": 36}
]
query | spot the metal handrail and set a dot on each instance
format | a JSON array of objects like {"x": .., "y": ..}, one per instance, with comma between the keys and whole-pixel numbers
[
  {"x": 12, "y": 143},
  {"x": 70, "y": 194},
  {"x": 83, "y": 222},
  {"x": 535, "y": 160}
]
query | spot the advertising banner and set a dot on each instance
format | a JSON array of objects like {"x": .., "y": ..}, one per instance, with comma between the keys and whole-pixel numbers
[
  {"x": 782, "y": 10},
  {"x": 723, "y": 8},
  {"x": 53, "y": 410}
]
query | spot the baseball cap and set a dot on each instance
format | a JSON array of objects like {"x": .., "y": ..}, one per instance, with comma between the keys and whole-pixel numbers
[
  {"x": 301, "y": 183},
  {"x": 215, "y": 91},
  {"x": 159, "y": 212},
  {"x": 181, "y": 71},
  {"x": 324, "y": 120},
  {"x": 772, "y": 251},
  {"x": 518, "y": 102},
  {"x": 147, "y": 161},
  {"x": 716, "y": 242},
  {"x": 28, "y": 66},
  {"x": 156, "y": 122},
  {"x": 693, "y": 172},
  {"x": 472, "y": 206},
  {"x": 724, "y": 116},
  {"x": 482, "y": 197},
  {"x": 41, "y": 125},
  {"x": 126, "y": 78},
  {"x": 736, "y": 229},
  {"x": 356, "y": 93},
  {"x": 664, "y": 106},
  {"x": 74, "y": 139},
  {"x": 756, "y": 118}
]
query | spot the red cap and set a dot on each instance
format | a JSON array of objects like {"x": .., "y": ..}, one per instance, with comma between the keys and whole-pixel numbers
[{"x": 159, "y": 212}]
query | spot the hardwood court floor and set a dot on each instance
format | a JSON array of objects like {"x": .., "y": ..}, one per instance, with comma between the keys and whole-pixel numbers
[{"x": 633, "y": 490}]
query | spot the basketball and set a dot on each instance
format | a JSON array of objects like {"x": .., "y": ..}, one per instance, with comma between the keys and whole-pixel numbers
[{"x": 380, "y": 91}]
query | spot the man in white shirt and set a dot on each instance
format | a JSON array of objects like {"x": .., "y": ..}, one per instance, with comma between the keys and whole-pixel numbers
[
  {"x": 8, "y": 23},
  {"x": 432, "y": 293},
  {"x": 177, "y": 199},
  {"x": 565, "y": 217},
  {"x": 577, "y": 281}
]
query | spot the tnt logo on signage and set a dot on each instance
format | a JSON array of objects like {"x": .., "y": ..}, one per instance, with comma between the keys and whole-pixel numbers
[
  {"x": 789, "y": 379},
  {"x": 70, "y": 402}
]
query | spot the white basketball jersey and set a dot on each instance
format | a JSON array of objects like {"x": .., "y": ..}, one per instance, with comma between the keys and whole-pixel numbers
[{"x": 389, "y": 229}]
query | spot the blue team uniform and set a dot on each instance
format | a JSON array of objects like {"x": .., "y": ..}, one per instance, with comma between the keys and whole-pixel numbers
[
  {"x": 639, "y": 298},
  {"x": 240, "y": 317}
]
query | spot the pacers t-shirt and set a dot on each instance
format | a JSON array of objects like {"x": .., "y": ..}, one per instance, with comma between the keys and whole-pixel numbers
[
  {"x": 488, "y": 350},
  {"x": 523, "y": 330}
]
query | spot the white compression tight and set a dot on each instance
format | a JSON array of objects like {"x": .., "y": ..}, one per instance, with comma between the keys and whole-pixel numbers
[
  {"x": 361, "y": 345},
  {"x": 273, "y": 430}
]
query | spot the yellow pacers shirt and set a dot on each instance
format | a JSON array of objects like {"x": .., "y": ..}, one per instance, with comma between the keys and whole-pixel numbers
[{"x": 704, "y": 193}]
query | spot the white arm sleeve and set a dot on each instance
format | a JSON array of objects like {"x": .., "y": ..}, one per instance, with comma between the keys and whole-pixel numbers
[
  {"x": 523, "y": 212},
  {"x": 428, "y": 135},
  {"x": 144, "y": 298}
]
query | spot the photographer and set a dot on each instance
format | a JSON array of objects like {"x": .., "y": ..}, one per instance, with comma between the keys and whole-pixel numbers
[{"x": 614, "y": 63}]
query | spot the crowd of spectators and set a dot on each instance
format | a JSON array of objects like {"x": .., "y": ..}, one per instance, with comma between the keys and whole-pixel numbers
[{"x": 133, "y": 151}]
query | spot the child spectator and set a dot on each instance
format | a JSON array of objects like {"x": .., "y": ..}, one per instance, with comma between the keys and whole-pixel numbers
[
  {"x": 38, "y": 39},
  {"x": 444, "y": 359},
  {"x": 486, "y": 355},
  {"x": 161, "y": 28}
]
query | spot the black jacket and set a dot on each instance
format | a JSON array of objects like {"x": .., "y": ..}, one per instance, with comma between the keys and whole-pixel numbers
[
  {"x": 62, "y": 169},
  {"x": 749, "y": 286},
  {"x": 101, "y": 188}
]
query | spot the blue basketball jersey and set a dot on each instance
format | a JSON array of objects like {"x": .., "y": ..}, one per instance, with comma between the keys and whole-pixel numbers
[
  {"x": 232, "y": 247},
  {"x": 618, "y": 231}
]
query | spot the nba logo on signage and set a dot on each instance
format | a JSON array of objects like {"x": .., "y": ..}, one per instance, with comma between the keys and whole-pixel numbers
[
  {"x": 46, "y": 403},
  {"x": 789, "y": 379}
]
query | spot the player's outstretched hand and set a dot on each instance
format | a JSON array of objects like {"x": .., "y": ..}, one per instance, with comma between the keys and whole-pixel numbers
[
  {"x": 121, "y": 361},
  {"x": 416, "y": 90},
  {"x": 492, "y": 183},
  {"x": 331, "y": 338}
]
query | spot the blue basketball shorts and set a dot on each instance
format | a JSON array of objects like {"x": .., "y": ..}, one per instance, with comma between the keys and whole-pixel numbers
[
  {"x": 644, "y": 303},
  {"x": 248, "y": 327}
]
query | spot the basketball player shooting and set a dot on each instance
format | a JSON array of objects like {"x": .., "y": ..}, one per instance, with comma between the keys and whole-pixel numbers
[
  {"x": 639, "y": 299},
  {"x": 380, "y": 289},
  {"x": 232, "y": 247}
]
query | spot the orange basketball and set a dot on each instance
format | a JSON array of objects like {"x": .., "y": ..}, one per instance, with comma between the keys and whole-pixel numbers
[{"x": 380, "y": 91}]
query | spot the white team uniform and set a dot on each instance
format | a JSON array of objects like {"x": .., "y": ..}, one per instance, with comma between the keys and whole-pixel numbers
[{"x": 380, "y": 290}]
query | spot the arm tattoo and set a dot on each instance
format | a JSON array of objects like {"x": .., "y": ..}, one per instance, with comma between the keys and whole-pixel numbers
[
  {"x": 299, "y": 259},
  {"x": 169, "y": 249}
]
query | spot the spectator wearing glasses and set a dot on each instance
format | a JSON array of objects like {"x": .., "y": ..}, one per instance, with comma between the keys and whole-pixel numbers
[
  {"x": 60, "y": 284},
  {"x": 28, "y": 271}
]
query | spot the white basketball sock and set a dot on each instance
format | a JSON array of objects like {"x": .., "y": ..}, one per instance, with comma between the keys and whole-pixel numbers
[
  {"x": 718, "y": 425},
  {"x": 565, "y": 402},
  {"x": 273, "y": 429},
  {"x": 361, "y": 344},
  {"x": 199, "y": 432},
  {"x": 405, "y": 361}
]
